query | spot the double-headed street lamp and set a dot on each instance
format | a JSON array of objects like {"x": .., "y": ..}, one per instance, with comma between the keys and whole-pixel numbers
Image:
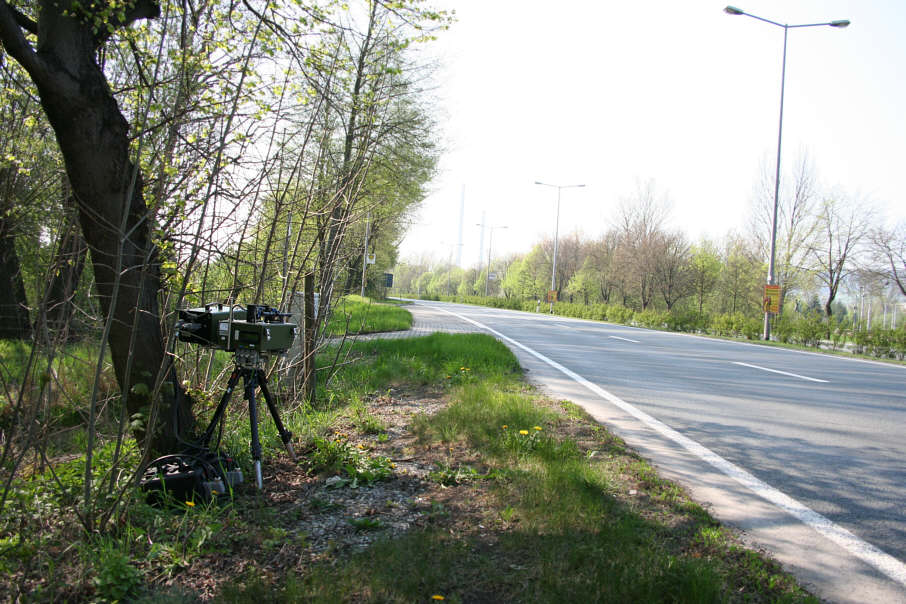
[
  {"x": 556, "y": 236},
  {"x": 732, "y": 10}
]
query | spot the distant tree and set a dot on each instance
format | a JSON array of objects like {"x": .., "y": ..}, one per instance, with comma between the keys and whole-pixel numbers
[
  {"x": 889, "y": 251},
  {"x": 672, "y": 268},
  {"x": 741, "y": 278},
  {"x": 797, "y": 225},
  {"x": 585, "y": 282},
  {"x": 844, "y": 226},
  {"x": 640, "y": 224},
  {"x": 704, "y": 271}
]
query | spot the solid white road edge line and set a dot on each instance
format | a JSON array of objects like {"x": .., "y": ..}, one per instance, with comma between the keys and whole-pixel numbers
[
  {"x": 624, "y": 339},
  {"x": 884, "y": 562},
  {"x": 795, "y": 375}
]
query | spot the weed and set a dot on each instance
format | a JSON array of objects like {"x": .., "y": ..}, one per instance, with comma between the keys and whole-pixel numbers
[
  {"x": 710, "y": 536},
  {"x": 322, "y": 505},
  {"x": 115, "y": 578},
  {"x": 367, "y": 423},
  {"x": 339, "y": 456},
  {"x": 447, "y": 475},
  {"x": 366, "y": 523}
]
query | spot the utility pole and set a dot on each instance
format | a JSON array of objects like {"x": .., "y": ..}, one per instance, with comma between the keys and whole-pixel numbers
[
  {"x": 462, "y": 213},
  {"x": 481, "y": 243}
]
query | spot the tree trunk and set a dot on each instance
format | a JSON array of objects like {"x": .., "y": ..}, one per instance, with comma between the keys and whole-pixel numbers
[
  {"x": 66, "y": 272},
  {"x": 107, "y": 190},
  {"x": 14, "y": 322}
]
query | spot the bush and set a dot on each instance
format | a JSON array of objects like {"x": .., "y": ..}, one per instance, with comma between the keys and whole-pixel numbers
[
  {"x": 617, "y": 313},
  {"x": 653, "y": 319},
  {"x": 784, "y": 329},
  {"x": 736, "y": 324},
  {"x": 689, "y": 321},
  {"x": 810, "y": 330}
]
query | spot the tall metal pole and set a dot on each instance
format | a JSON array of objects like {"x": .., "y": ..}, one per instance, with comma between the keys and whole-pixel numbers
[
  {"x": 771, "y": 274},
  {"x": 732, "y": 10},
  {"x": 487, "y": 278},
  {"x": 556, "y": 242},
  {"x": 556, "y": 238}
]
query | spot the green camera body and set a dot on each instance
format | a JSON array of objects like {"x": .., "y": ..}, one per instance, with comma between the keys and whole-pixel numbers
[{"x": 256, "y": 327}]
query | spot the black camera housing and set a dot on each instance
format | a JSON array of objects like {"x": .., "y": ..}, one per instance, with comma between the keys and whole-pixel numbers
[{"x": 256, "y": 327}]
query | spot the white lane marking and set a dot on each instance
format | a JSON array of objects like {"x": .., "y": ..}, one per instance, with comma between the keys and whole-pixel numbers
[
  {"x": 881, "y": 560},
  {"x": 795, "y": 375},
  {"x": 625, "y": 339}
]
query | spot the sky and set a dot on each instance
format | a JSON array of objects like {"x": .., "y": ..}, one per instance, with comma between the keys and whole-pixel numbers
[{"x": 614, "y": 95}]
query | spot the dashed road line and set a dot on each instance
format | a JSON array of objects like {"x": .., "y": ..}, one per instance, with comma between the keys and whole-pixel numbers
[{"x": 795, "y": 375}]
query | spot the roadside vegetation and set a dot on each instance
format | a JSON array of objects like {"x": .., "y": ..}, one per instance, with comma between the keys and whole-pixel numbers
[
  {"x": 429, "y": 469},
  {"x": 840, "y": 268},
  {"x": 809, "y": 331},
  {"x": 361, "y": 315}
]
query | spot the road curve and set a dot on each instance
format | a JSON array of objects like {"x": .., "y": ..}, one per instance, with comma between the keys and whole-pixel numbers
[{"x": 804, "y": 453}]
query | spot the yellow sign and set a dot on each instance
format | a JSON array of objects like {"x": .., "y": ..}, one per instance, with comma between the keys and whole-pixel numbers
[
  {"x": 551, "y": 295},
  {"x": 771, "y": 301}
]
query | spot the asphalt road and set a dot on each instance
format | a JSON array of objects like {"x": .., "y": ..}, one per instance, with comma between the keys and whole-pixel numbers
[{"x": 745, "y": 428}]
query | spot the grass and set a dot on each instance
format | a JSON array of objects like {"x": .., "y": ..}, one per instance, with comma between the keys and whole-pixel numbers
[
  {"x": 541, "y": 505},
  {"x": 358, "y": 315},
  {"x": 577, "y": 537}
]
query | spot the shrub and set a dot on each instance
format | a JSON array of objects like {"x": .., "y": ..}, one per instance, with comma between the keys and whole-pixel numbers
[
  {"x": 810, "y": 330},
  {"x": 689, "y": 321},
  {"x": 617, "y": 313},
  {"x": 653, "y": 319}
]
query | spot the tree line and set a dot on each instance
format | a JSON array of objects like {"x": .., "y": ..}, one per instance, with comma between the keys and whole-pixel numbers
[{"x": 828, "y": 243}]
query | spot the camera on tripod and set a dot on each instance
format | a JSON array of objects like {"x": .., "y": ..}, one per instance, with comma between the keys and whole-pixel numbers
[
  {"x": 250, "y": 333},
  {"x": 257, "y": 327}
]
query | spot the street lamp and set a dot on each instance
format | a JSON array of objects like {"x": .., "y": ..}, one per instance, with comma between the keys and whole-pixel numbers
[
  {"x": 490, "y": 243},
  {"x": 556, "y": 234},
  {"x": 732, "y": 10}
]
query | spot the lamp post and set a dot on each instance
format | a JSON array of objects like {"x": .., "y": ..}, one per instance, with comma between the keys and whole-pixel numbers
[
  {"x": 732, "y": 10},
  {"x": 487, "y": 278},
  {"x": 556, "y": 234}
]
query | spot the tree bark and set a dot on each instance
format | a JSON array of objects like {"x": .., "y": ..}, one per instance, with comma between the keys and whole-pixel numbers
[
  {"x": 14, "y": 322},
  {"x": 67, "y": 267},
  {"x": 107, "y": 190}
]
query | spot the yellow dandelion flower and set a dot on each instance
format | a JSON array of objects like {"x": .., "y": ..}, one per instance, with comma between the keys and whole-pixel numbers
[
  {"x": 437, "y": 597},
  {"x": 191, "y": 504},
  {"x": 504, "y": 426},
  {"x": 523, "y": 432},
  {"x": 538, "y": 428}
]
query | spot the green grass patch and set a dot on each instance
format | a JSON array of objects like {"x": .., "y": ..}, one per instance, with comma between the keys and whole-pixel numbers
[
  {"x": 358, "y": 315},
  {"x": 443, "y": 359}
]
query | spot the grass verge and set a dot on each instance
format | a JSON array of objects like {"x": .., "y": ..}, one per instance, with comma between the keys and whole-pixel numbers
[{"x": 358, "y": 315}]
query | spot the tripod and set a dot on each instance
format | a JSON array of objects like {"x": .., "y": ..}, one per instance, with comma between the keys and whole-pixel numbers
[{"x": 248, "y": 367}]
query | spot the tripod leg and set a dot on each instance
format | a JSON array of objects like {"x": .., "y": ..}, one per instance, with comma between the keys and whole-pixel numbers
[
  {"x": 285, "y": 435},
  {"x": 250, "y": 385},
  {"x": 221, "y": 406}
]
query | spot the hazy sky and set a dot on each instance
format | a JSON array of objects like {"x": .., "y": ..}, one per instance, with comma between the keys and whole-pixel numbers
[{"x": 610, "y": 94}]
